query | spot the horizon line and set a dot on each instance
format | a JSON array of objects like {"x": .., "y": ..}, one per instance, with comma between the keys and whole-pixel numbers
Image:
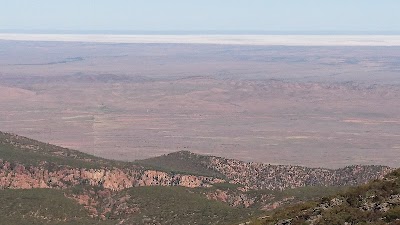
[
  {"x": 264, "y": 40},
  {"x": 197, "y": 32}
]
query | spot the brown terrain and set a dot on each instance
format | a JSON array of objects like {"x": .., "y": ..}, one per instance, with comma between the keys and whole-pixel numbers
[{"x": 311, "y": 106}]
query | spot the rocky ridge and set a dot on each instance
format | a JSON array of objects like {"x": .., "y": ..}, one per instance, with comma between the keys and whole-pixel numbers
[
  {"x": 261, "y": 176},
  {"x": 18, "y": 176},
  {"x": 104, "y": 187},
  {"x": 117, "y": 175},
  {"x": 258, "y": 176}
]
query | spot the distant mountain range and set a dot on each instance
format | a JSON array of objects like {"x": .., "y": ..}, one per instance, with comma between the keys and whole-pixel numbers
[{"x": 45, "y": 184}]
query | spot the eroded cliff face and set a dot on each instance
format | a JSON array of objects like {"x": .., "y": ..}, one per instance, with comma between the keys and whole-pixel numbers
[
  {"x": 158, "y": 178},
  {"x": 18, "y": 176}
]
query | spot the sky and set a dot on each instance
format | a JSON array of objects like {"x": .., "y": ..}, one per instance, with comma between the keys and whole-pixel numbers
[{"x": 371, "y": 16}]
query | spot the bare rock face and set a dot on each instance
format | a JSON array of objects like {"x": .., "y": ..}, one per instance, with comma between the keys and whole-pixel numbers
[
  {"x": 192, "y": 181},
  {"x": 154, "y": 178},
  {"x": 237, "y": 198},
  {"x": 118, "y": 179},
  {"x": 17, "y": 176},
  {"x": 158, "y": 178}
]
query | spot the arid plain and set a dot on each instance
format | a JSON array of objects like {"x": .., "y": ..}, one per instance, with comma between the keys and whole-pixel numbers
[{"x": 318, "y": 106}]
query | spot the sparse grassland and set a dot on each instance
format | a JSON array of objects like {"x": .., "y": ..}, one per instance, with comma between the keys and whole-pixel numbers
[
  {"x": 42, "y": 206},
  {"x": 181, "y": 162}
]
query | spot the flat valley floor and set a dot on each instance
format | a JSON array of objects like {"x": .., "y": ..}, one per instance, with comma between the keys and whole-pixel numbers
[{"x": 307, "y": 105}]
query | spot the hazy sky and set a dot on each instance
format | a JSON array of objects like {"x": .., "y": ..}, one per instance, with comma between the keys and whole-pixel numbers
[{"x": 192, "y": 15}]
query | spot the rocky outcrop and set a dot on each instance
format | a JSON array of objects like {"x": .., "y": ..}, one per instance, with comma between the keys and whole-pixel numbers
[
  {"x": 237, "y": 198},
  {"x": 159, "y": 178},
  {"x": 18, "y": 176}
]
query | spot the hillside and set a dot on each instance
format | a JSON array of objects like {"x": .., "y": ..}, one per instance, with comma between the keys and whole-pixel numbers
[
  {"x": 27, "y": 151},
  {"x": 182, "y": 162},
  {"x": 261, "y": 176},
  {"x": 377, "y": 202},
  {"x": 178, "y": 188},
  {"x": 42, "y": 206}
]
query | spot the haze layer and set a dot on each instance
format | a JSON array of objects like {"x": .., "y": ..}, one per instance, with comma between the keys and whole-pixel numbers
[{"x": 325, "y": 106}]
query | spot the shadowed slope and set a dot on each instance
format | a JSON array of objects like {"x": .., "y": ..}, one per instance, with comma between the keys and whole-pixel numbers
[{"x": 182, "y": 162}]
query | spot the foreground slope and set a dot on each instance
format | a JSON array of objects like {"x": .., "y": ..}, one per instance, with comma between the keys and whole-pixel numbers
[
  {"x": 377, "y": 202},
  {"x": 144, "y": 205},
  {"x": 42, "y": 206}
]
